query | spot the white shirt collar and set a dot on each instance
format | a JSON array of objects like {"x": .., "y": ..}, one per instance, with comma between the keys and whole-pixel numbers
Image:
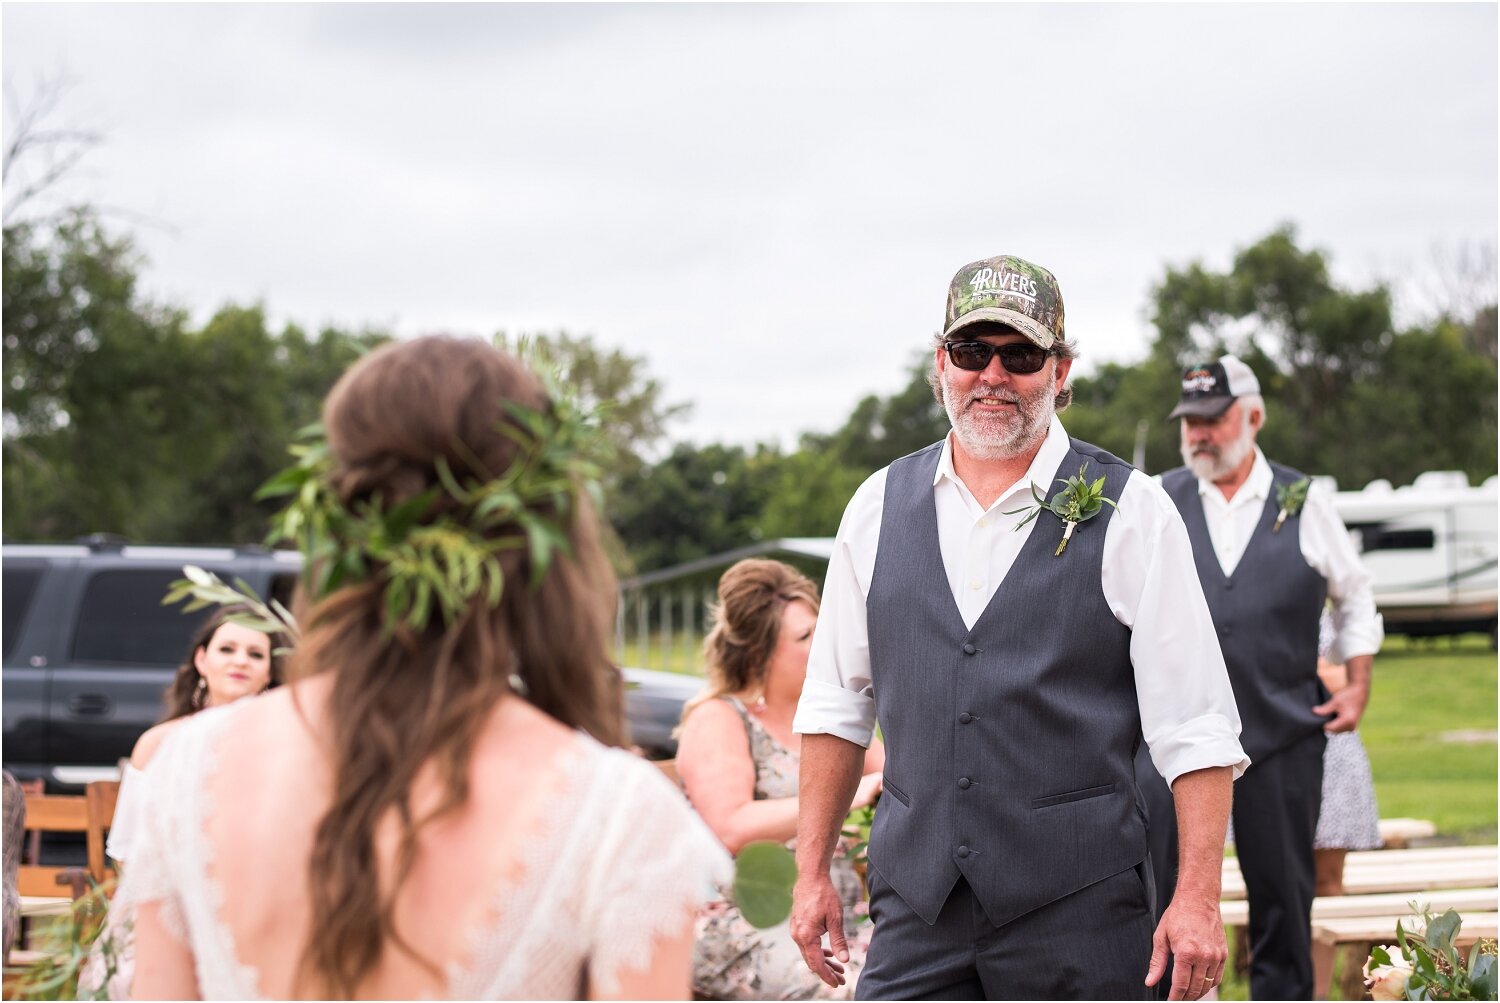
[
  {"x": 1256, "y": 486},
  {"x": 1041, "y": 473}
]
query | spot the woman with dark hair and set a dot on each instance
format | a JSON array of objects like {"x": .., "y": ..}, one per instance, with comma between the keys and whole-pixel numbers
[
  {"x": 225, "y": 662},
  {"x": 738, "y": 759},
  {"x": 435, "y": 806}
]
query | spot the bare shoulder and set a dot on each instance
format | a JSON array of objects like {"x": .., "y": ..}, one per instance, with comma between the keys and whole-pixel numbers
[
  {"x": 713, "y": 724},
  {"x": 147, "y": 744}
]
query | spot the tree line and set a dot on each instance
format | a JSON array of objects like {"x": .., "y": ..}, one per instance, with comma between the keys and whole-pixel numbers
[{"x": 121, "y": 416}]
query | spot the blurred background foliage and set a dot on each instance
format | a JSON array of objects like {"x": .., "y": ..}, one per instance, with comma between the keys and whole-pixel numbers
[{"x": 121, "y": 416}]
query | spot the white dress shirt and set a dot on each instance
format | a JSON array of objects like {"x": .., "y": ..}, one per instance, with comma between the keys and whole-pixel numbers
[
  {"x": 1326, "y": 547},
  {"x": 1188, "y": 714}
]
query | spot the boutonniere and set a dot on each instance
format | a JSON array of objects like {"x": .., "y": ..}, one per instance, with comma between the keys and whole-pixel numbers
[
  {"x": 1079, "y": 501},
  {"x": 1291, "y": 498}
]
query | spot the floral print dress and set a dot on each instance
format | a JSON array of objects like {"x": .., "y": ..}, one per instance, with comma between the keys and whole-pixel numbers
[{"x": 732, "y": 960}]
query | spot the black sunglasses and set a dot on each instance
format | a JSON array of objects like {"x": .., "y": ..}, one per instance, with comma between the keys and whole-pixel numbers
[{"x": 1019, "y": 358}]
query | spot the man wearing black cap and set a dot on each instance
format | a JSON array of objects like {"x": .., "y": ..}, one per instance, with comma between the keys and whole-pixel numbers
[
  {"x": 1014, "y": 656},
  {"x": 1270, "y": 550}
]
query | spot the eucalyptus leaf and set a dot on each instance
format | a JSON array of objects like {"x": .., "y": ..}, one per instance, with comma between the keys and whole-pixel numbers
[
  {"x": 1441, "y": 931},
  {"x": 197, "y": 575},
  {"x": 764, "y": 872}
]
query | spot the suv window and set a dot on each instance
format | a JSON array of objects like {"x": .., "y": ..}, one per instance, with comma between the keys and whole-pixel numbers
[
  {"x": 19, "y": 585},
  {"x": 122, "y": 620}
]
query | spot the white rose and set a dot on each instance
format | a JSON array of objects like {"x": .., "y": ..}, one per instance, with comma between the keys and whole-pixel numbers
[{"x": 1388, "y": 982}]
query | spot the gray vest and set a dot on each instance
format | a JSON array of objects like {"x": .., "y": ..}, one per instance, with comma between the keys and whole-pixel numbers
[
  {"x": 1266, "y": 614},
  {"x": 1009, "y": 746}
]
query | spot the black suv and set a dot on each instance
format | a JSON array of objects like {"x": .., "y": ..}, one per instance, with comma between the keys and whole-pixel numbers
[{"x": 89, "y": 649}]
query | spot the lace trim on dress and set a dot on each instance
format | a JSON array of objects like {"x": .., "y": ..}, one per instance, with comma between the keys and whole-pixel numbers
[
  {"x": 505, "y": 954},
  {"x": 221, "y": 974},
  {"x": 170, "y": 857},
  {"x": 655, "y": 863}
]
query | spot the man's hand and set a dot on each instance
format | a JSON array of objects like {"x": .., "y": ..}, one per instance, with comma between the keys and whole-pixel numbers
[
  {"x": 1348, "y": 705},
  {"x": 1193, "y": 935},
  {"x": 816, "y": 909},
  {"x": 1190, "y": 931},
  {"x": 829, "y": 778}
]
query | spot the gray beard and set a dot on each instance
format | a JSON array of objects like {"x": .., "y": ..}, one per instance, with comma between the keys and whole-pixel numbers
[
  {"x": 989, "y": 440},
  {"x": 1214, "y": 464}
]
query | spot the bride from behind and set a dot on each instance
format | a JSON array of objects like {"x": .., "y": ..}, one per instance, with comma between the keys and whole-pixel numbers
[{"x": 436, "y": 805}]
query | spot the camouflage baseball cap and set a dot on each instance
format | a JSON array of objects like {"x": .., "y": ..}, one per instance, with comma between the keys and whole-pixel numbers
[{"x": 1006, "y": 290}]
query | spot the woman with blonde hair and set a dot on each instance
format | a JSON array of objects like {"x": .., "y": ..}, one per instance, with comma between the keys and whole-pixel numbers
[
  {"x": 435, "y": 805},
  {"x": 738, "y": 758}
]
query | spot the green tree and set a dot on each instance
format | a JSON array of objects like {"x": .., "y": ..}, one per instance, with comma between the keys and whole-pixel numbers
[
  {"x": 636, "y": 414},
  {"x": 808, "y": 491},
  {"x": 696, "y": 501},
  {"x": 1120, "y": 402},
  {"x": 882, "y": 429},
  {"x": 119, "y": 418}
]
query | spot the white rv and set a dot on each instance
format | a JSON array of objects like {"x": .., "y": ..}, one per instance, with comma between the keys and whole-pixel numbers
[{"x": 1431, "y": 547}]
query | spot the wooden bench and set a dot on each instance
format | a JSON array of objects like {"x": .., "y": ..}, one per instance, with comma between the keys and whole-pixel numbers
[
  {"x": 1379, "y": 886},
  {"x": 1374, "y": 871},
  {"x": 1397, "y": 833},
  {"x": 1361, "y": 932},
  {"x": 1237, "y": 913}
]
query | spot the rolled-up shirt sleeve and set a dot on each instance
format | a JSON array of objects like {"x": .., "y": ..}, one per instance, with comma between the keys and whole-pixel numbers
[
  {"x": 838, "y": 697},
  {"x": 1188, "y": 714},
  {"x": 1329, "y": 550}
]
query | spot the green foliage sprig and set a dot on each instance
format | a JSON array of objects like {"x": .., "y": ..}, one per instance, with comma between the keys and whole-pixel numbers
[
  {"x": 1291, "y": 498},
  {"x": 206, "y": 589},
  {"x": 1426, "y": 965},
  {"x": 75, "y": 942},
  {"x": 439, "y": 565},
  {"x": 1078, "y": 501}
]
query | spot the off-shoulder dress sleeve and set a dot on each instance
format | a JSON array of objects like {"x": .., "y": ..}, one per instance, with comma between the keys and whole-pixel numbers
[{"x": 656, "y": 863}]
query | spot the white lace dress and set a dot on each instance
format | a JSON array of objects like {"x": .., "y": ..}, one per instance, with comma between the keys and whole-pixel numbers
[{"x": 620, "y": 860}]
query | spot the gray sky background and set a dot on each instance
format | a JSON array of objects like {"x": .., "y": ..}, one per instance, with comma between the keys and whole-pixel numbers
[{"x": 765, "y": 202}]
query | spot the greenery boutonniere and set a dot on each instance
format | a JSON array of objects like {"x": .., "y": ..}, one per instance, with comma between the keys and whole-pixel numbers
[
  {"x": 1291, "y": 498},
  {"x": 1079, "y": 501}
]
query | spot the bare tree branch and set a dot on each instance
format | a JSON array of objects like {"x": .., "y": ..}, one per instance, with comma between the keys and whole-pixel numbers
[{"x": 37, "y": 155}]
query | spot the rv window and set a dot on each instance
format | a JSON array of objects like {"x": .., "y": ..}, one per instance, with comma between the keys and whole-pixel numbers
[{"x": 1378, "y": 536}]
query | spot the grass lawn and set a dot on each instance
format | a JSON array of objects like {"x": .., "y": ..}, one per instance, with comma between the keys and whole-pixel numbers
[{"x": 1426, "y": 696}]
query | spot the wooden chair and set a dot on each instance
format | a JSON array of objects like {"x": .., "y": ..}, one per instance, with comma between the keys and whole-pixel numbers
[
  {"x": 100, "y": 796},
  {"x": 52, "y": 813},
  {"x": 90, "y": 814}
]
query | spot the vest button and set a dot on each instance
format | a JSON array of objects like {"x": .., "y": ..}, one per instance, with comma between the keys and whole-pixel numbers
[
  {"x": 965, "y": 717},
  {"x": 969, "y": 649},
  {"x": 963, "y": 851},
  {"x": 963, "y": 783},
  {"x": 1229, "y": 586}
]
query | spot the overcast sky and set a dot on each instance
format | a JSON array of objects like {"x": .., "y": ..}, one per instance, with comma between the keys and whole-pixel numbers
[{"x": 766, "y": 202}]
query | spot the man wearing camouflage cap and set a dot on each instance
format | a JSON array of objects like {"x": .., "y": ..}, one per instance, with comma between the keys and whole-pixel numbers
[
  {"x": 1270, "y": 549},
  {"x": 1013, "y": 658}
]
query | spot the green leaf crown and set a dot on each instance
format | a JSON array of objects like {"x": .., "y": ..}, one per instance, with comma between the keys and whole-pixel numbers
[{"x": 439, "y": 565}]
